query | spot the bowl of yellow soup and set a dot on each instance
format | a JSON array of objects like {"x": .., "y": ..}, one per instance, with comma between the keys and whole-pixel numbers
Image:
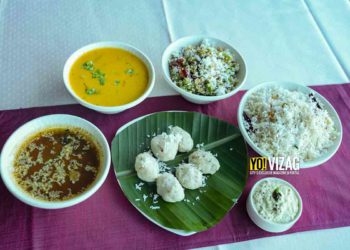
[{"x": 109, "y": 77}]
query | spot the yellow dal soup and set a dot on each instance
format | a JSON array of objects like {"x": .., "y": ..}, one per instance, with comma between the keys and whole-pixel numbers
[{"x": 109, "y": 77}]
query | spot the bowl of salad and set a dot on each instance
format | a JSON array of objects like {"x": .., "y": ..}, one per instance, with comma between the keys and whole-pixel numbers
[{"x": 203, "y": 69}]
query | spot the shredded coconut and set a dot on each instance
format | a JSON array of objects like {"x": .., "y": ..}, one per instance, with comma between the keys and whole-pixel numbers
[
  {"x": 139, "y": 185},
  {"x": 154, "y": 207},
  {"x": 145, "y": 197},
  {"x": 288, "y": 123},
  {"x": 204, "y": 69}
]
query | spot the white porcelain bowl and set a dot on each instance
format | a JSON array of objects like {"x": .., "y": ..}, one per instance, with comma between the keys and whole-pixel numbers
[
  {"x": 28, "y": 129},
  {"x": 195, "y": 40},
  {"x": 267, "y": 225},
  {"x": 293, "y": 86},
  {"x": 109, "y": 109}
]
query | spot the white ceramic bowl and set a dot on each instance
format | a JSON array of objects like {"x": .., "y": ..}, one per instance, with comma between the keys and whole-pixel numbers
[
  {"x": 22, "y": 133},
  {"x": 266, "y": 224},
  {"x": 293, "y": 86},
  {"x": 195, "y": 40},
  {"x": 109, "y": 109}
]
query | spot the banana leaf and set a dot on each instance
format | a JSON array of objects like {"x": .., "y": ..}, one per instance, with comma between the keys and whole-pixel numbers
[{"x": 202, "y": 208}]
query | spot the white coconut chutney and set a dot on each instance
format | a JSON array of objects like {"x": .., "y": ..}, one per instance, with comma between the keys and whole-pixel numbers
[{"x": 276, "y": 201}]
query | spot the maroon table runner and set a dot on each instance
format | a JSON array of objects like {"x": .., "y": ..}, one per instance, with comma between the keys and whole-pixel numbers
[{"x": 108, "y": 220}]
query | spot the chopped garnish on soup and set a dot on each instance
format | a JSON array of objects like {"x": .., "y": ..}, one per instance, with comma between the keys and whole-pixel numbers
[{"x": 103, "y": 69}]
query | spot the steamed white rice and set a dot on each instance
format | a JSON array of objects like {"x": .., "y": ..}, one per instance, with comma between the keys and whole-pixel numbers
[{"x": 288, "y": 123}]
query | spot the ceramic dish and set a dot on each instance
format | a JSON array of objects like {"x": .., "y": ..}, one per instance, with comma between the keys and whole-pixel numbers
[
  {"x": 119, "y": 45},
  {"x": 303, "y": 89},
  {"x": 202, "y": 208},
  {"x": 267, "y": 225},
  {"x": 195, "y": 40},
  {"x": 51, "y": 121}
]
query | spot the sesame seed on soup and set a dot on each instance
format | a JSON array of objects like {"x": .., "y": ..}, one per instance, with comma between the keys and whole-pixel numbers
[{"x": 57, "y": 163}]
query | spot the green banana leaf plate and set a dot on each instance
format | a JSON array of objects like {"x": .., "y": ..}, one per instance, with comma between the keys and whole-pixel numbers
[{"x": 202, "y": 208}]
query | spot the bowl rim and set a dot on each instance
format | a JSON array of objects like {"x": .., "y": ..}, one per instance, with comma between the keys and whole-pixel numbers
[
  {"x": 303, "y": 164},
  {"x": 169, "y": 50},
  {"x": 20, "y": 194},
  {"x": 251, "y": 201},
  {"x": 109, "y": 44}
]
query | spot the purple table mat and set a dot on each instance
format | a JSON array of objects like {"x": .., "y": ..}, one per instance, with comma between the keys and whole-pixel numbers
[{"x": 108, "y": 220}]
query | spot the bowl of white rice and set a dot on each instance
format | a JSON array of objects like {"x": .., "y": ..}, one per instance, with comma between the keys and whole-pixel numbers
[{"x": 286, "y": 119}]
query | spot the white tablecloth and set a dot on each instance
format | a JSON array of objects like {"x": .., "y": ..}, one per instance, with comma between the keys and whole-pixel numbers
[
  {"x": 306, "y": 41},
  {"x": 281, "y": 40},
  {"x": 333, "y": 20},
  {"x": 37, "y": 37},
  {"x": 329, "y": 239}
]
